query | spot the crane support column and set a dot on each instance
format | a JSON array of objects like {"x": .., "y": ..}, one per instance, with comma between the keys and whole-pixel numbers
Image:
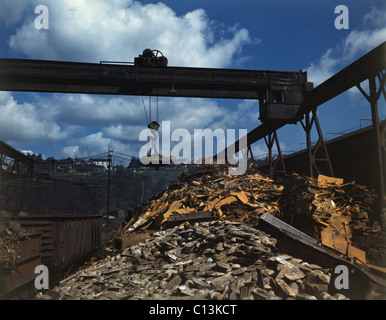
[
  {"x": 378, "y": 132},
  {"x": 320, "y": 148},
  {"x": 272, "y": 138}
]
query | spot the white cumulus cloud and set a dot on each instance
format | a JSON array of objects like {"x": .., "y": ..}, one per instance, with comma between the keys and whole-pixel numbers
[
  {"x": 24, "y": 122},
  {"x": 117, "y": 30},
  {"x": 95, "y": 30}
]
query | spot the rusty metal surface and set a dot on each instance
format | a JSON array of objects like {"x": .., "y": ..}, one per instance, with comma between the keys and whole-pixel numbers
[
  {"x": 121, "y": 243},
  {"x": 192, "y": 217},
  {"x": 65, "y": 238},
  {"x": 28, "y": 251}
]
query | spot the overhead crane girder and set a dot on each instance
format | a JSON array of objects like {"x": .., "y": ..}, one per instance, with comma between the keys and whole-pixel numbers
[{"x": 121, "y": 79}]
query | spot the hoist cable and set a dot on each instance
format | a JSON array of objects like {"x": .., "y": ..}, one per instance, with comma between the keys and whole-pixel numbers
[
  {"x": 150, "y": 108},
  {"x": 157, "y": 109},
  {"x": 144, "y": 108}
]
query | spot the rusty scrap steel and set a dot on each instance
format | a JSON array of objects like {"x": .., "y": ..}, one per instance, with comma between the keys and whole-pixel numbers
[
  {"x": 327, "y": 209},
  {"x": 294, "y": 242},
  {"x": 217, "y": 260},
  {"x": 233, "y": 257}
]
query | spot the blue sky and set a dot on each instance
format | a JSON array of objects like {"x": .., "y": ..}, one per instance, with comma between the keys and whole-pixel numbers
[{"x": 260, "y": 34}]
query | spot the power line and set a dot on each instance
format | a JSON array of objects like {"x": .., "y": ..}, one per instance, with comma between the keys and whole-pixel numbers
[{"x": 126, "y": 155}]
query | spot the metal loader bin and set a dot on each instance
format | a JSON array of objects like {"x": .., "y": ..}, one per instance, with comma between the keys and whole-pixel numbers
[
  {"x": 28, "y": 258},
  {"x": 66, "y": 238}
]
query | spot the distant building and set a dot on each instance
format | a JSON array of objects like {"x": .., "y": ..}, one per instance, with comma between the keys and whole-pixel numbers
[
  {"x": 101, "y": 162},
  {"x": 50, "y": 166},
  {"x": 97, "y": 169},
  {"x": 65, "y": 165}
]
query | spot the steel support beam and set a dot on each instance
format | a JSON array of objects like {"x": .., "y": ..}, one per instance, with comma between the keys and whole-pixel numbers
[
  {"x": 7, "y": 192},
  {"x": 255, "y": 135},
  {"x": 252, "y": 158},
  {"x": 369, "y": 67},
  {"x": 371, "y": 63},
  {"x": 119, "y": 79},
  {"x": 378, "y": 133},
  {"x": 16, "y": 155},
  {"x": 311, "y": 119},
  {"x": 362, "y": 69},
  {"x": 272, "y": 138}
]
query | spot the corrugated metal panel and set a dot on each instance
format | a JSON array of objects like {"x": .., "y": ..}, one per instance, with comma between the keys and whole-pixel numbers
[
  {"x": 65, "y": 238},
  {"x": 28, "y": 250}
]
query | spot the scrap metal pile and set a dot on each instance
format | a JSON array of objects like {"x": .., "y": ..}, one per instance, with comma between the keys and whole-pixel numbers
[
  {"x": 168, "y": 251},
  {"x": 216, "y": 260},
  {"x": 334, "y": 213}
]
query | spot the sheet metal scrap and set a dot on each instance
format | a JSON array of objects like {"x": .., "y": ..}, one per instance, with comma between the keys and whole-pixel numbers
[
  {"x": 335, "y": 213},
  {"x": 217, "y": 260},
  {"x": 327, "y": 209},
  {"x": 208, "y": 189}
]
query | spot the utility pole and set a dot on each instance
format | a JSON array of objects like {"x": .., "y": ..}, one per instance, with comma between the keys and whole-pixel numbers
[
  {"x": 110, "y": 155},
  {"x": 2, "y": 158}
]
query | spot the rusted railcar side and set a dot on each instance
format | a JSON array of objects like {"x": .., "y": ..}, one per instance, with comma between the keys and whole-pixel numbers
[
  {"x": 65, "y": 238},
  {"x": 28, "y": 250}
]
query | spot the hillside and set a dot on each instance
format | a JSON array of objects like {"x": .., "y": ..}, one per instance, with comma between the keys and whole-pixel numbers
[{"x": 127, "y": 188}]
